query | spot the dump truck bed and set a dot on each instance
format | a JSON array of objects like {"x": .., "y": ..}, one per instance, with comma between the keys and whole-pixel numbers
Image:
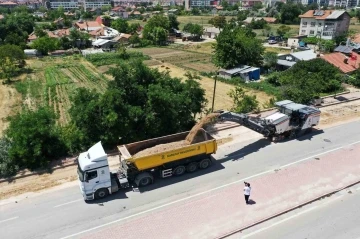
[{"x": 204, "y": 143}]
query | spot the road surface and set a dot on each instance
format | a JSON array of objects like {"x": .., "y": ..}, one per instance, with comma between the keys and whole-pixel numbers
[
  {"x": 60, "y": 213},
  {"x": 338, "y": 217}
]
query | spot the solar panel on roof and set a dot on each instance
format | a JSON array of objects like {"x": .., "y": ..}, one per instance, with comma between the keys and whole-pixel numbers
[{"x": 319, "y": 13}]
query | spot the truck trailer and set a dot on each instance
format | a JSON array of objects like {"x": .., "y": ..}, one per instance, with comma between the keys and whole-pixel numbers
[{"x": 97, "y": 181}]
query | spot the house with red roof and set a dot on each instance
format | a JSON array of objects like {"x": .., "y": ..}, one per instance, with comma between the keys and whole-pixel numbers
[{"x": 342, "y": 62}]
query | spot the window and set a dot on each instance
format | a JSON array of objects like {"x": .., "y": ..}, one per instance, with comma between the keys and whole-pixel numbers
[
  {"x": 91, "y": 175},
  {"x": 304, "y": 24},
  {"x": 311, "y": 32},
  {"x": 303, "y": 32},
  {"x": 320, "y": 24},
  {"x": 312, "y": 24}
]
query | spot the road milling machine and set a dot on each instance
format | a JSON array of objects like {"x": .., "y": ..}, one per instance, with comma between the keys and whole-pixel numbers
[{"x": 290, "y": 120}]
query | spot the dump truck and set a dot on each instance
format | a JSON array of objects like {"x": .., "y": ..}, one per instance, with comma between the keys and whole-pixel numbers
[{"x": 97, "y": 181}]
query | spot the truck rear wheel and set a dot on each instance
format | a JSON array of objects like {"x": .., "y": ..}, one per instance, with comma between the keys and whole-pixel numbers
[
  {"x": 205, "y": 163},
  {"x": 179, "y": 170},
  {"x": 192, "y": 167},
  {"x": 101, "y": 193}
]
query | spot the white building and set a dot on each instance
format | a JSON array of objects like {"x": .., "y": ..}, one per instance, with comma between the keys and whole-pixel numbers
[
  {"x": 66, "y": 4},
  {"x": 93, "y": 4},
  {"x": 325, "y": 24}
]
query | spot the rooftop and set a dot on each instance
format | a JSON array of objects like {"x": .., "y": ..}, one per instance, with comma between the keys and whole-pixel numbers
[
  {"x": 304, "y": 55},
  {"x": 323, "y": 14},
  {"x": 238, "y": 69},
  {"x": 337, "y": 59}
]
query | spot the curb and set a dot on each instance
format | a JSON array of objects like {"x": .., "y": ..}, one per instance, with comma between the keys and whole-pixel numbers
[
  {"x": 340, "y": 102},
  {"x": 111, "y": 153},
  {"x": 285, "y": 211}
]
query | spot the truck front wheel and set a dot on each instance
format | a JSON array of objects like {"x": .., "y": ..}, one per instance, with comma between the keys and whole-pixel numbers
[{"x": 101, "y": 193}]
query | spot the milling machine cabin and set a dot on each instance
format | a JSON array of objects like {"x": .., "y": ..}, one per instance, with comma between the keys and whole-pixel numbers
[{"x": 291, "y": 120}]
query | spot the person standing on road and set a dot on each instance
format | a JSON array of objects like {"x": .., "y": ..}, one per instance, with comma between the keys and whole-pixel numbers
[{"x": 247, "y": 190}]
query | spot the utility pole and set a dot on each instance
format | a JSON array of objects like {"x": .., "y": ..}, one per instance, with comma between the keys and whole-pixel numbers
[{"x": 213, "y": 101}]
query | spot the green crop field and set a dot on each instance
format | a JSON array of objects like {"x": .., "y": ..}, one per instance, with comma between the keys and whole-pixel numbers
[{"x": 54, "y": 80}]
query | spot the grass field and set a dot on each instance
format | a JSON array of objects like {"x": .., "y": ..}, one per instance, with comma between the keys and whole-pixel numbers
[
  {"x": 179, "y": 59},
  {"x": 54, "y": 80}
]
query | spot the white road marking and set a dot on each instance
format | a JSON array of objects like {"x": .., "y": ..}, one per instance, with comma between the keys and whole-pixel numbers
[
  {"x": 277, "y": 223},
  {"x": 60, "y": 205},
  {"x": 291, "y": 217},
  {"x": 13, "y": 218},
  {"x": 199, "y": 194}
]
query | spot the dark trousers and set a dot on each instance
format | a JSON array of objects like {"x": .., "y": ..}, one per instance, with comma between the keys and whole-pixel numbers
[{"x": 247, "y": 199}]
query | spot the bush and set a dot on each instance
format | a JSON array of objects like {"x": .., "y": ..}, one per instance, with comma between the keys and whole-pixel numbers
[
  {"x": 34, "y": 138},
  {"x": 7, "y": 166}
]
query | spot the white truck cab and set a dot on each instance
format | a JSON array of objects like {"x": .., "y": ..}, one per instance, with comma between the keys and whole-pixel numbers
[{"x": 94, "y": 173}]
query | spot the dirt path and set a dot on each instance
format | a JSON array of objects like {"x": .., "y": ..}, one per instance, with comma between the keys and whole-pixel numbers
[{"x": 9, "y": 98}]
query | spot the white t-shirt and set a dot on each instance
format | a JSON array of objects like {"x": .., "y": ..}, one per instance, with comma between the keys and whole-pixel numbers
[{"x": 247, "y": 190}]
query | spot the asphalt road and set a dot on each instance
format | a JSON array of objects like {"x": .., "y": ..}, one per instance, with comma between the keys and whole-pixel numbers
[
  {"x": 336, "y": 218},
  {"x": 60, "y": 213}
]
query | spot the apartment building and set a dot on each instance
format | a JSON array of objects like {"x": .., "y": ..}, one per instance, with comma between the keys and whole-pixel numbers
[
  {"x": 66, "y": 4},
  {"x": 325, "y": 24}
]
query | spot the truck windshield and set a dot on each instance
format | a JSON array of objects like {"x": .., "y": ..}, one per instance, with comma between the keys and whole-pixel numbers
[{"x": 80, "y": 173}]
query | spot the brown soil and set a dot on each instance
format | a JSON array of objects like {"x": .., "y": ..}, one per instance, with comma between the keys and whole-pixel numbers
[
  {"x": 193, "y": 132},
  {"x": 8, "y": 100},
  {"x": 160, "y": 148},
  {"x": 190, "y": 139}
]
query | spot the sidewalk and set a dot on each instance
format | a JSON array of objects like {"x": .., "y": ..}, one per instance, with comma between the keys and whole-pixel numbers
[{"x": 223, "y": 210}]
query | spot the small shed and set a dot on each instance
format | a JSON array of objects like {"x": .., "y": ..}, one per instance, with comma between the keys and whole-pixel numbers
[
  {"x": 103, "y": 43},
  {"x": 295, "y": 41},
  {"x": 247, "y": 73},
  {"x": 31, "y": 53}
]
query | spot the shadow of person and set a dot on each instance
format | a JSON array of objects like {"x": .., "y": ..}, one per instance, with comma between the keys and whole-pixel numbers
[{"x": 251, "y": 202}]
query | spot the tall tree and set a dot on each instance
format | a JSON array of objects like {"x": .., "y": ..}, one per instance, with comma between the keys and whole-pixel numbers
[
  {"x": 243, "y": 103},
  {"x": 140, "y": 103},
  {"x": 34, "y": 138},
  {"x": 45, "y": 44},
  {"x": 218, "y": 21},
  {"x": 173, "y": 22},
  {"x": 121, "y": 25},
  {"x": 237, "y": 47},
  {"x": 156, "y": 28}
]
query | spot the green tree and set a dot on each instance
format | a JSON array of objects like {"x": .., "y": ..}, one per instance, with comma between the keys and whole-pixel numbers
[
  {"x": 194, "y": 29},
  {"x": 243, "y": 103},
  {"x": 44, "y": 45},
  {"x": 218, "y": 21},
  {"x": 140, "y": 103},
  {"x": 237, "y": 46},
  {"x": 156, "y": 29},
  {"x": 282, "y": 30},
  {"x": 270, "y": 60},
  {"x": 135, "y": 40},
  {"x": 34, "y": 138},
  {"x": 133, "y": 28},
  {"x": 173, "y": 22},
  {"x": 7, "y": 166},
  {"x": 8, "y": 69},
  {"x": 242, "y": 15},
  {"x": 289, "y": 13},
  {"x": 14, "y": 53},
  {"x": 120, "y": 25},
  {"x": 39, "y": 32}
]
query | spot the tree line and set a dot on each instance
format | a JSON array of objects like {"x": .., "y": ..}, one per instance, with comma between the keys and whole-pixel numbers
[{"x": 140, "y": 103}]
